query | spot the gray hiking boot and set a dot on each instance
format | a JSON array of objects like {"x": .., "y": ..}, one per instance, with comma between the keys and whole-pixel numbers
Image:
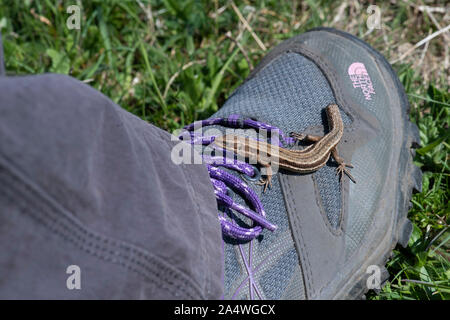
[{"x": 322, "y": 235}]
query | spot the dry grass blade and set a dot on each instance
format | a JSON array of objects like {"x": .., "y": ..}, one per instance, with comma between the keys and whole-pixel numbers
[
  {"x": 176, "y": 74},
  {"x": 249, "y": 62},
  {"x": 421, "y": 42},
  {"x": 248, "y": 27}
]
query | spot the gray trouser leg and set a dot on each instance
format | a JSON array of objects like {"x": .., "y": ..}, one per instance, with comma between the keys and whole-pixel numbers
[{"x": 90, "y": 199}]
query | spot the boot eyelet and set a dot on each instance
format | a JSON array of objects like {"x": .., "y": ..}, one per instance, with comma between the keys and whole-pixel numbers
[{"x": 256, "y": 177}]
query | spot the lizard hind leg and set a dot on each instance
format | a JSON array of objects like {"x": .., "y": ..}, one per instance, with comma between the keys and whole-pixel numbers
[{"x": 267, "y": 182}]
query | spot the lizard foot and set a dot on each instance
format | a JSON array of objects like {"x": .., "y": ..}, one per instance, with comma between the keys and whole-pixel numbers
[
  {"x": 267, "y": 182},
  {"x": 341, "y": 169}
]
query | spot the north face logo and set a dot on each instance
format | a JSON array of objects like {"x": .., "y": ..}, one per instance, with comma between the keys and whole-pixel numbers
[{"x": 360, "y": 78}]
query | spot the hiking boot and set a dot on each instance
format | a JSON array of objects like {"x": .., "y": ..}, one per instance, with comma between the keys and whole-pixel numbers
[{"x": 316, "y": 235}]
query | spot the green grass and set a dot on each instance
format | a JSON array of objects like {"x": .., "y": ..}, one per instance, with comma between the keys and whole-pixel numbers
[{"x": 170, "y": 63}]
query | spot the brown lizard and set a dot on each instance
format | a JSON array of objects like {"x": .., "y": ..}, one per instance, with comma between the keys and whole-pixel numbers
[{"x": 307, "y": 160}]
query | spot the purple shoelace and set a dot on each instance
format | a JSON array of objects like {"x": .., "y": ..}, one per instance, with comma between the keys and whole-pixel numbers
[{"x": 222, "y": 179}]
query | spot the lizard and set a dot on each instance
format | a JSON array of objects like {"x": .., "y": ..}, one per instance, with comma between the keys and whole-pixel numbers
[{"x": 307, "y": 160}]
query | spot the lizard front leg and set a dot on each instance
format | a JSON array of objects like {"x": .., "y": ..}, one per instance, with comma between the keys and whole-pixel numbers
[
  {"x": 341, "y": 162},
  {"x": 305, "y": 137}
]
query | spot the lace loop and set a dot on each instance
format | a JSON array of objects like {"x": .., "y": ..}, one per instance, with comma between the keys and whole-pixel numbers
[{"x": 222, "y": 179}]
